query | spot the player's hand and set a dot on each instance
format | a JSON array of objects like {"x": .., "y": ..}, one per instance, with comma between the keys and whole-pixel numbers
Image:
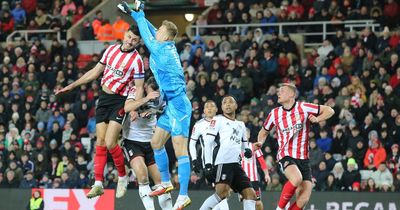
[
  {"x": 196, "y": 166},
  {"x": 134, "y": 115},
  {"x": 138, "y": 5},
  {"x": 146, "y": 114},
  {"x": 63, "y": 90},
  {"x": 313, "y": 119},
  {"x": 258, "y": 145},
  {"x": 248, "y": 153},
  {"x": 153, "y": 95},
  {"x": 124, "y": 7},
  {"x": 209, "y": 173},
  {"x": 267, "y": 178}
]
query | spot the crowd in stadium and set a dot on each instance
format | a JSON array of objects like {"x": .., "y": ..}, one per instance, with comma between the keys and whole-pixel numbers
[{"x": 47, "y": 141}]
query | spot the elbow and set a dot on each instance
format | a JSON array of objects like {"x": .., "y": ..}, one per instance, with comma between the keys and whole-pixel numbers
[{"x": 331, "y": 111}]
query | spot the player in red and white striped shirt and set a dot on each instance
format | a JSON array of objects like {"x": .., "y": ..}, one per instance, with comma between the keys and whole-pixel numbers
[
  {"x": 249, "y": 166},
  {"x": 121, "y": 66},
  {"x": 292, "y": 123}
]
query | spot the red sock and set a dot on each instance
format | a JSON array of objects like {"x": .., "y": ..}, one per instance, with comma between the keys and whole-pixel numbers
[
  {"x": 287, "y": 193},
  {"x": 118, "y": 158},
  {"x": 294, "y": 206},
  {"x": 100, "y": 160}
]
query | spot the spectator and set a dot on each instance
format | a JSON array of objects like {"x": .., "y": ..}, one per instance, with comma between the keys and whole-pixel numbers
[
  {"x": 10, "y": 181},
  {"x": 331, "y": 184},
  {"x": 350, "y": 176},
  {"x": 324, "y": 142},
  {"x": 375, "y": 154},
  {"x": 370, "y": 185},
  {"x": 6, "y": 25},
  {"x": 72, "y": 49},
  {"x": 120, "y": 27},
  {"x": 105, "y": 31},
  {"x": 26, "y": 163},
  {"x": 41, "y": 166},
  {"x": 275, "y": 185},
  {"x": 396, "y": 183},
  {"x": 69, "y": 7},
  {"x": 321, "y": 175},
  {"x": 28, "y": 182},
  {"x": 36, "y": 202},
  {"x": 382, "y": 176},
  {"x": 315, "y": 154},
  {"x": 97, "y": 22},
  {"x": 19, "y": 15}
]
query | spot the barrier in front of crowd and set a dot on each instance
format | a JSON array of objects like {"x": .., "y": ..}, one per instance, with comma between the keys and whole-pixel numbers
[{"x": 75, "y": 199}]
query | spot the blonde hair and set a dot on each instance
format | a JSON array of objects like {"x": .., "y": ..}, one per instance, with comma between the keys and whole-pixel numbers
[{"x": 171, "y": 28}]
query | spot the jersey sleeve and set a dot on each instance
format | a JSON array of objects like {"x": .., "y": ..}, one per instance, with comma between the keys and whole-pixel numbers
[
  {"x": 148, "y": 38},
  {"x": 269, "y": 122},
  {"x": 103, "y": 59},
  {"x": 138, "y": 68},
  {"x": 311, "y": 108},
  {"x": 195, "y": 132},
  {"x": 152, "y": 29},
  {"x": 258, "y": 153}
]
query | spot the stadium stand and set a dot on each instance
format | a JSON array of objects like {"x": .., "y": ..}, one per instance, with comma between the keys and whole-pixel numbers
[{"x": 47, "y": 142}]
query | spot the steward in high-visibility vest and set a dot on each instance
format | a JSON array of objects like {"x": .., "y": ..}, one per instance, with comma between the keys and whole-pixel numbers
[
  {"x": 120, "y": 27},
  {"x": 106, "y": 32},
  {"x": 36, "y": 202},
  {"x": 96, "y": 24}
]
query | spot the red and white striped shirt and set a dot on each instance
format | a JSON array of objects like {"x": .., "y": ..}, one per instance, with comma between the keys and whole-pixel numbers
[
  {"x": 249, "y": 165},
  {"x": 122, "y": 67},
  {"x": 292, "y": 127}
]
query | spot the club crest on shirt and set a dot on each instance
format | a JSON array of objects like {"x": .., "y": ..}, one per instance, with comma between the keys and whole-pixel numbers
[{"x": 212, "y": 123}]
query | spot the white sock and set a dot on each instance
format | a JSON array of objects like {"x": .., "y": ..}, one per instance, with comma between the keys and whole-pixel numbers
[
  {"x": 223, "y": 205},
  {"x": 144, "y": 190},
  {"x": 165, "y": 201},
  {"x": 277, "y": 208},
  {"x": 98, "y": 183},
  {"x": 210, "y": 202},
  {"x": 122, "y": 177},
  {"x": 249, "y": 204}
]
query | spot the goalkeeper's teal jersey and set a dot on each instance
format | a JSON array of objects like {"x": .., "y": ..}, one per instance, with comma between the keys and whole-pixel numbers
[{"x": 164, "y": 61}]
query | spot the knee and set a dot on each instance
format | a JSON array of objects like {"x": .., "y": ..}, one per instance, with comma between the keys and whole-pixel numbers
[
  {"x": 100, "y": 142},
  {"x": 110, "y": 144},
  {"x": 296, "y": 181},
  {"x": 156, "y": 144},
  {"x": 251, "y": 195},
  {"x": 223, "y": 194}
]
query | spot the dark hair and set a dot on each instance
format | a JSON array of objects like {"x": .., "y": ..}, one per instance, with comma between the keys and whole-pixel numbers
[
  {"x": 134, "y": 29},
  {"x": 151, "y": 82},
  {"x": 227, "y": 95},
  {"x": 210, "y": 101}
]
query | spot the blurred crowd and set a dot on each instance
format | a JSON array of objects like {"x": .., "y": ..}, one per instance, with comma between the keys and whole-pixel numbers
[
  {"x": 385, "y": 12},
  {"x": 47, "y": 141}
]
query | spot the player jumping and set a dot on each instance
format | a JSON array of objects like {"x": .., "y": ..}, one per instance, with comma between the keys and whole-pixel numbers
[
  {"x": 227, "y": 171},
  {"x": 136, "y": 145},
  {"x": 292, "y": 121},
  {"x": 175, "y": 121},
  {"x": 121, "y": 65}
]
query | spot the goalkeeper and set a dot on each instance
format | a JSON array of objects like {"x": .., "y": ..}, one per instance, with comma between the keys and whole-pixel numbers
[{"x": 175, "y": 121}]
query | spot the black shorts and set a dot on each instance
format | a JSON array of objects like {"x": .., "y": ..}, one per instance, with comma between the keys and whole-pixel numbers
[
  {"x": 257, "y": 189},
  {"x": 303, "y": 165},
  {"x": 133, "y": 149},
  {"x": 233, "y": 175},
  {"x": 110, "y": 107}
]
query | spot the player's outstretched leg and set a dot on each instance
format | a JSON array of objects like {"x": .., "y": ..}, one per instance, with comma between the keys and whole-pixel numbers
[
  {"x": 115, "y": 150},
  {"x": 100, "y": 160},
  {"x": 180, "y": 144},
  {"x": 295, "y": 178},
  {"x": 160, "y": 136},
  {"x": 164, "y": 200}
]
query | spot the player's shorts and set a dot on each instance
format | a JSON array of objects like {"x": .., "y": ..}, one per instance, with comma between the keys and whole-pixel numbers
[
  {"x": 303, "y": 165},
  {"x": 110, "y": 107},
  {"x": 176, "y": 117},
  {"x": 134, "y": 149},
  {"x": 233, "y": 175}
]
